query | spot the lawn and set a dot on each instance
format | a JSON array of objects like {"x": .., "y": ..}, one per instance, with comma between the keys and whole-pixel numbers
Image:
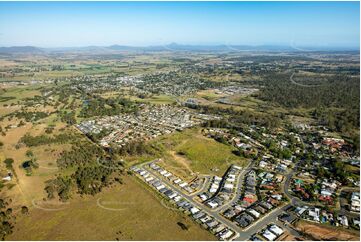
[{"x": 125, "y": 212}]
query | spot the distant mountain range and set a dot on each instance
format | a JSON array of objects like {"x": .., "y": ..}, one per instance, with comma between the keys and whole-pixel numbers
[{"x": 168, "y": 47}]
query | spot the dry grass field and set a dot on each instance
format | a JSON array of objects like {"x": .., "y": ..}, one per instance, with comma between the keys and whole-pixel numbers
[{"x": 125, "y": 212}]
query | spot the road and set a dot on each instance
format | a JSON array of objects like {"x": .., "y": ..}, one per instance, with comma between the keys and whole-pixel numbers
[
  {"x": 295, "y": 201},
  {"x": 194, "y": 203},
  {"x": 244, "y": 234},
  {"x": 238, "y": 191}
]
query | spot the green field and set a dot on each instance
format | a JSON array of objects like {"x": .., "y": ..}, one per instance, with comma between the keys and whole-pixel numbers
[{"x": 190, "y": 149}]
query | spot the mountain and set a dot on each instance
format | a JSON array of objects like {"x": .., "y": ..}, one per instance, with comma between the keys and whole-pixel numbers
[
  {"x": 168, "y": 47},
  {"x": 20, "y": 49}
]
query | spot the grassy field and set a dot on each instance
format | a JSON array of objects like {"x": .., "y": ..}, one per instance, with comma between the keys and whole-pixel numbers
[
  {"x": 137, "y": 214},
  {"x": 190, "y": 152},
  {"x": 159, "y": 99}
]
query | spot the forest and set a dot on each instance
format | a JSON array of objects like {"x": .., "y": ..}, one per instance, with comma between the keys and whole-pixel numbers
[{"x": 334, "y": 102}]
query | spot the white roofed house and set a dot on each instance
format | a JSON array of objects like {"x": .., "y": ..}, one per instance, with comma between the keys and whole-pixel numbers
[
  {"x": 314, "y": 214},
  {"x": 269, "y": 235},
  {"x": 276, "y": 230},
  {"x": 343, "y": 220},
  {"x": 355, "y": 202},
  {"x": 225, "y": 234},
  {"x": 253, "y": 212},
  {"x": 194, "y": 210}
]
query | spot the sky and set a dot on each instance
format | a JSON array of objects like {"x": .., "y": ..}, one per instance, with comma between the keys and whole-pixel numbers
[{"x": 73, "y": 24}]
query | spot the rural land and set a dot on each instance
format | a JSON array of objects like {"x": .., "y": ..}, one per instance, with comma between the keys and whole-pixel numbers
[{"x": 179, "y": 142}]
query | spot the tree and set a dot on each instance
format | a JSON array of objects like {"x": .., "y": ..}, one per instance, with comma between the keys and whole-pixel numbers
[
  {"x": 24, "y": 210},
  {"x": 29, "y": 154},
  {"x": 9, "y": 163}
]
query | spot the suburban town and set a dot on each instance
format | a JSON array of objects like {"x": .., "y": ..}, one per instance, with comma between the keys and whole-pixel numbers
[
  {"x": 179, "y": 121},
  {"x": 263, "y": 200}
]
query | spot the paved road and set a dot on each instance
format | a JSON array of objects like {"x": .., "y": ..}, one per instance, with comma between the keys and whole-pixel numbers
[
  {"x": 302, "y": 85},
  {"x": 261, "y": 223},
  {"x": 206, "y": 183},
  {"x": 243, "y": 234},
  {"x": 238, "y": 191},
  {"x": 295, "y": 201},
  {"x": 189, "y": 198}
]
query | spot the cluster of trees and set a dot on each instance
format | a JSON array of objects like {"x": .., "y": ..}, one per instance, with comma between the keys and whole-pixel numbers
[
  {"x": 97, "y": 106},
  {"x": 337, "y": 91},
  {"x": 282, "y": 153},
  {"x": 30, "y": 140},
  {"x": 336, "y": 102},
  {"x": 87, "y": 180},
  {"x": 91, "y": 179},
  {"x": 61, "y": 186},
  {"x": 6, "y": 219},
  {"x": 29, "y": 116},
  {"x": 9, "y": 163},
  {"x": 67, "y": 117},
  {"x": 81, "y": 153},
  {"x": 345, "y": 121},
  {"x": 132, "y": 148},
  {"x": 237, "y": 118}
]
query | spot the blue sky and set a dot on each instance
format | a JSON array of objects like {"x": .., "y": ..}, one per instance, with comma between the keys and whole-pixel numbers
[{"x": 65, "y": 24}]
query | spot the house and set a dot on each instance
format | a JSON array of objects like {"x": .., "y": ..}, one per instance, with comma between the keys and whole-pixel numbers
[
  {"x": 262, "y": 164},
  {"x": 163, "y": 190},
  {"x": 7, "y": 178},
  {"x": 225, "y": 234},
  {"x": 182, "y": 185},
  {"x": 242, "y": 221},
  {"x": 219, "y": 228},
  {"x": 203, "y": 197},
  {"x": 229, "y": 186},
  {"x": 172, "y": 195},
  {"x": 343, "y": 220},
  {"x": 161, "y": 186},
  {"x": 300, "y": 210},
  {"x": 314, "y": 214},
  {"x": 229, "y": 213},
  {"x": 355, "y": 202},
  {"x": 279, "y": 178},
  {"x": 253, "y": 212},
  {"x": 356, "y": 222},
  {"x": 199, "y": 215},
  {"x": 148, "y": 179},
  {"x": 269, "y": 235},
  {"x": 212, "y": 224},
  {"x": 168, "y": 193},
  {"x": 194, "y": 210},
  {"x": 212, "y": 204},
  {"x": 276, "y": 230},
  {"x": 266, "y": 205},
  {"x": 205, "y": 219},
  {"x": 287, "y": 217},
  {"x": 260, "y": 209}
]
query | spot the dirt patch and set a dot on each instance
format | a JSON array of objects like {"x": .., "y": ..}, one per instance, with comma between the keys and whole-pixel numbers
[{"x": 325, "y": 232}]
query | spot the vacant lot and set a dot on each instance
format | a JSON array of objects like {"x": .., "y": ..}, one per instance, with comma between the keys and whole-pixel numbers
[
  {"x": 125, "y": 212},
  {"x": 189, "y": 151},
  {"x": 325, "y": 232}
]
